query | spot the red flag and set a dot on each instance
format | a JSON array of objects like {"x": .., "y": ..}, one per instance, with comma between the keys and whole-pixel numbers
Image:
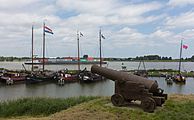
[{"x": 185, "y": 46}]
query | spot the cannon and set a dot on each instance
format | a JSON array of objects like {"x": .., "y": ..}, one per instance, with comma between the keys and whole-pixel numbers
[{"x": 129, "y": 87}]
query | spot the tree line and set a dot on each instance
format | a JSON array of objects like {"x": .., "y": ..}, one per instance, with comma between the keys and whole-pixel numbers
[
  {"x": 2, "y": 58},
  {"x": 137, "y": 58},
  {"x": 148, "y": 57}
]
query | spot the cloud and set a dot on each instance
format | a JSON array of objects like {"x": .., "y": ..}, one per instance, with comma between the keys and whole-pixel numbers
[
  {"x": 121, "y": 24},
  {"x": 7, "y": 4},
  {"x": 109, "y": 12},
  {"x": 183, "y": 20},
  {"x": 175, "y": 3}
]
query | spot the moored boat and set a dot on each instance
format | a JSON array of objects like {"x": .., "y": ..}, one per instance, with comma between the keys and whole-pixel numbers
[
  {"x": 10, "y": 78},
  {"x": 39, "y": 77},
  {"x": 179, "y": 77},
  {"x": 88, "y": 77}
]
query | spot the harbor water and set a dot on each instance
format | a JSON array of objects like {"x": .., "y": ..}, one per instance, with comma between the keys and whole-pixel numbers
[{"x": 103, "y": 88}]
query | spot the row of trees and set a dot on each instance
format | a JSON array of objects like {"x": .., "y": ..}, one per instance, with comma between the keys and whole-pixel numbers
[
  {"x": 152, "y": 57},
  {"x": 147, "y": 57},
  {"x": 13, "y": 58}
]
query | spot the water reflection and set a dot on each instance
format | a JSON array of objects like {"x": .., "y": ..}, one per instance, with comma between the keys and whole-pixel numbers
[{"x": 104, "y": 88}]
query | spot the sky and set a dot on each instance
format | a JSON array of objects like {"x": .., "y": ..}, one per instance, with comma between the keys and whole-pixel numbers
[{"x": 131, "y": 27}]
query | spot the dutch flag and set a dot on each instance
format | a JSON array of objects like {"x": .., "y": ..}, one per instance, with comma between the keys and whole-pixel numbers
[{"x": 48, "y": 30}]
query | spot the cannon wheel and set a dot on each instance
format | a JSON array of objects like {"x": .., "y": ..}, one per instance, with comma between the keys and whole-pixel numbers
[
  {"x": 148, "y": 104},
  {"x": 117, "y": 99}
]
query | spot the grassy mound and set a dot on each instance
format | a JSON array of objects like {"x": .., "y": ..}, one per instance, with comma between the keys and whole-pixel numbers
[
  {"x": 38, "y": 106},
  {"x": 177, "y": 107}
]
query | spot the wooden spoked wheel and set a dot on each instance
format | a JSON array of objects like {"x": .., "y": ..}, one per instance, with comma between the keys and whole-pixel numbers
[
  {"x": 117, "y": 100},
  {"x": 148, "y": 104}
]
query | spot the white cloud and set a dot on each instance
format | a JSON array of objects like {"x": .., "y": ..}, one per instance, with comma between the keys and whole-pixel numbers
[
  {"x": 7, "y": 4},
  {"x": 109, "y": 12},
  {"x": 184, "y": 20},
  {"x": 97, "y": 7},
  {"x": 118, "y": 20},
  {"x": 175, "y": 3}
]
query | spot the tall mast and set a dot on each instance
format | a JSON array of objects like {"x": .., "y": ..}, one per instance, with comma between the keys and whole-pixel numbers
[
  {"x": 32, "y": 69},
  {"x": 43, "y": 47},
  {"x": 180, "y": 56},
  {"x": 100, "y": 35},
  {"x": 78, "y": 56}
]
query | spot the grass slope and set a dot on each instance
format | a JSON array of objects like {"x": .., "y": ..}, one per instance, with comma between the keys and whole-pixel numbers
[
  {"x": 177, "y": 107},
  {"x": 38, "y": 106}
]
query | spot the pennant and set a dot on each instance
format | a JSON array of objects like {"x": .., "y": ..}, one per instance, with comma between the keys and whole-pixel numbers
[
  {"x": 48, "y": 30},
  {"x": 185, "y": 46},
  {"x": 102, "y": 36},
  {"x": 81, "y": 34}
]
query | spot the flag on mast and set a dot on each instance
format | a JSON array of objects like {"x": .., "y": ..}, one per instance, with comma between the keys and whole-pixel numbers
[
  {"x": 103, "y": 36},
  {"x": 81, "y": 34},
  {"x": 48, "y": 30},
  {"x": 185, "y": 46}
]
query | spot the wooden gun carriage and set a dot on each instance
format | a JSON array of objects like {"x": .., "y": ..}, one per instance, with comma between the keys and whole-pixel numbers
[{"x": 130, "y": 87}]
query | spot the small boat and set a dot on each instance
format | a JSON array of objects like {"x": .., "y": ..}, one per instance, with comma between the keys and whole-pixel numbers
[
  {"x": 179, "y": 77},
  {"x": 39, "y": 77},
  {"x": 10, "y": 78},
  {"x": 64, "y": 76},
  {"x": 67, "y": 78},
  {"x": 169, "y": 79},
  {"x": 88, "y": 77}
]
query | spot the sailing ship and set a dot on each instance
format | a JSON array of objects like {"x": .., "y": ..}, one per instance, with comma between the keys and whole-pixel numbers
[
  {"x": 179, "y": 77},
  {"x": 85, "y": 75},
  {"x": 40, "y": 76}
]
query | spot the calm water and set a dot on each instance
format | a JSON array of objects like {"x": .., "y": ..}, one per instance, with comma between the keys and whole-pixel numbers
[
  {"x": 104, "y": 88},
  {"x": 188, "y": 66}
]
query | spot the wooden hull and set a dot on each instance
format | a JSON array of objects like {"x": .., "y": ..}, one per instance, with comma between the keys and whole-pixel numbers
[{"x": 39, "y": 78}]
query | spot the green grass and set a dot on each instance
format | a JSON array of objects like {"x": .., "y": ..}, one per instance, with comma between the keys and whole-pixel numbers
[
  {"x": 172, "y": 110},
  {"x": 177, "y": 107},
  {"x": 176, "y": 111},
  {"x": 39, "y": 106}
]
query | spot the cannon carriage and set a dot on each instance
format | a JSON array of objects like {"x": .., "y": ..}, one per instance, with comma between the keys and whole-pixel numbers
[{"x": 129, "y": 87}]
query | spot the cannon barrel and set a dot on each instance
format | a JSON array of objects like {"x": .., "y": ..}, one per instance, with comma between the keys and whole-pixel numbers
[{"x": 114, "y": 75}]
